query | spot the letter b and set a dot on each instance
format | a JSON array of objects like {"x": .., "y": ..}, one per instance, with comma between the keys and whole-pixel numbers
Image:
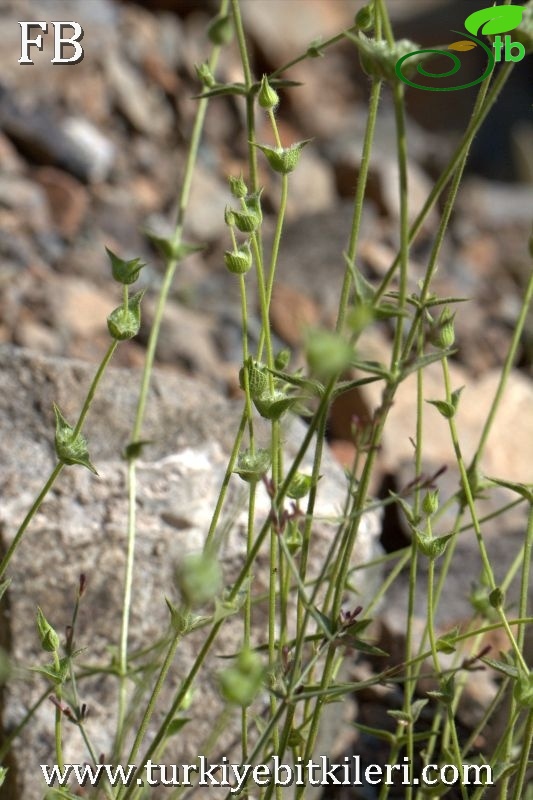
[
  {"x": 510, "y": 46},
  {"x": 60, "y": 41}
]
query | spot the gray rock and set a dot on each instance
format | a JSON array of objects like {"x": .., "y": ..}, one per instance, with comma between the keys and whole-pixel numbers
[
  {"x": 99, "y": 150},
  {"x": 81, "y": 528}
]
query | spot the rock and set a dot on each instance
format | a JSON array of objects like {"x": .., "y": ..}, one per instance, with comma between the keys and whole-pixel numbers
[
  {"x": 81, "y": 529},
  {"x": 99, "y": 151},
  {"x": 311, "y": 187},
  {"x": 67, "y": 198},
  {"x": 26, "y": 199},
  {"x": 205, "y": 213},
  {"x": 383, "y": 183},
  {"x": 80, "y": 308},
  {"x": 38, "y": 135},
  {"x": 186, "y": 340},
  {"x": 507, "y": 451},
  {"x": 310, "y": 258},
  {"x": 292, "y": 313},
  {"x": 35, "y": 336},
  {"x": 9, "y": 158},
  {"x": 144, "y": 107},
  {"x": 492, "y": 204},
  {"x": 281, "y": 29}
]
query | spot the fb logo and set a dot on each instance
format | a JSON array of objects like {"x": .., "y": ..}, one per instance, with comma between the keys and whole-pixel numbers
[
  {"x": 488, "y": 21},
  {"x": 60, "y": 41}
]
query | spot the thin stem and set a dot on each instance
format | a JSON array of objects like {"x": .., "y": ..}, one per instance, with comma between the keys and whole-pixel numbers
[
  {"x": 168, "y": 278},
  {"x": 524, "y": 583},
  {"x": 477, "y": 529},
  {"x": 484, "y": 102},
  {"x": 147, "y": 716},
  {"x": 126, "y": 606},
  {"x": 518, "y": 791},
  {"x": 375, "y": 94},
  {"x": 29, "y": 516},
  {"x": 58, "y": 727},
  {"x": 93, "y": 387},
  {"x": 506, "y": 369},
  {"x": 174, "y": 707}
]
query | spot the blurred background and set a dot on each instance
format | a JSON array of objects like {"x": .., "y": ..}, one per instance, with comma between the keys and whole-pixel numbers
[{"x": 93, "y": 154}]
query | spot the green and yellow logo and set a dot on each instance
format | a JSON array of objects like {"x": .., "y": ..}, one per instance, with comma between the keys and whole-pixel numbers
[{"x": 492, "y": 22}]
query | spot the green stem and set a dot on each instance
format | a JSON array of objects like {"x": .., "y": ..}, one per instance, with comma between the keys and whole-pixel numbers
[
  {"x": 58, "y": 718},
  {"x": 58, "y": 467},
  {"x": 170, "y": 269},
  {"x": 28, "y": 518},
  {"x": 150, "y": 708},
  {"x": 508, "y": 364},
  {"x": 484, "y": 102},
  {"x": 94, "y": 385},
  {"x": 525, "y": 577},
  {"x": 320, "y": 46},
  {"x": 126, "y": 607},
  {"x": 518, "y": 791},
  {"x": 174, "y": 707},
  {"x": 465, "y": 482},
  {"x": 375, "y": 94},
  {"x": 248, "y": 82}
]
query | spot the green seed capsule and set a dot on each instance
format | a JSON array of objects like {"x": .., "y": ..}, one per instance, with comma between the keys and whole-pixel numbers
[
  {"x": 267, "y": 97},
  {"x": 124, "y": 323},
  {"x": 238, "y": 261}
]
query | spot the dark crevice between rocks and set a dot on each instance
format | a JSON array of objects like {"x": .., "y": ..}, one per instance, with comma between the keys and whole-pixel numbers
[
  {"x": 11, "y": 788},
  {"x": 393, "y": 535}
]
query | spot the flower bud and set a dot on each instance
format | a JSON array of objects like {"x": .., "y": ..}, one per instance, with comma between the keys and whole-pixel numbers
[
  {"x": 315, "y": 49},
  {"x": 237, "y": 186},
  {"x": 293, "y": 536},
  {"x": 443, "y": 333},
  {"x": 124, "y": 323},
  {"x": 430, "y": 503},
  {"x": 327, "y": 353},
  {"x": 199, "y": 579},
  {"x": 172, "y": 249},
  {"x": 267, "y": 97},
  {"x": 241, "y": 682},
  {"x": 220, "y": 30},
  {"x": 283, "y": 159},
  {"x": 282, "y": 359},
  {"x": 239, "y": 261},
  {"x": 47, "y": 635},
  {"x": 257, "y": 377},
  {"x": 523, "y": 690},
  {"x": 70, "y": 449},
  {"x": 181, "y": 619},
  {"x": 300, "y": 486},
  {"x": 253, "y": 203},
  {"x": 124, "y": 272},
  {"x": 251, "y": 217},
  {"x": 378, "y": 57},
  {"x": 252, "y": 465},
  {"x": 205, "y": 76},
  {"x": 229, "y": 217},
  {"x": 364, "y": 19}
]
